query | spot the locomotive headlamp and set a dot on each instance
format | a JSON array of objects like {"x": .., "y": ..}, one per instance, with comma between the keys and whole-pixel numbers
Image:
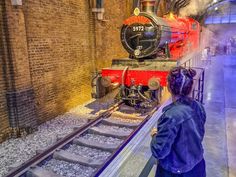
[
  {"x": 154, "y": 83},
  {"x": 136, "y": 11}
]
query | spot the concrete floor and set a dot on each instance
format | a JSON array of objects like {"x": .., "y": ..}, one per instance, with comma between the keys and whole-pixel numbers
[
  {"x": 220, "y": 105},
  {"x": 220, "y": 136}
]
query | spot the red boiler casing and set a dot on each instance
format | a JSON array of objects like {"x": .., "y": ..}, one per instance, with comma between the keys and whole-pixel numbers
[
  {"x": 180, "y": 34},
  {"x": 134, "y": 77}
]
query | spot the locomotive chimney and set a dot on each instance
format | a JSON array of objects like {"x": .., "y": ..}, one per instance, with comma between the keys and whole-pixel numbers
[{"x": 148, "y": 6}]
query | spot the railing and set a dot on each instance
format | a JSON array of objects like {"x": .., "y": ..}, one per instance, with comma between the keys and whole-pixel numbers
[
  {"x": 136, "y": 159},
  {"x": 198, "y": 85},
  {"x": 195, "y": 62},
  {"x": 197, "y": 94}
]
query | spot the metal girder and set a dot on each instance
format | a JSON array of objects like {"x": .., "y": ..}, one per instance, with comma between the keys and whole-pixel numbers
[{"x": 205, "y": 12}]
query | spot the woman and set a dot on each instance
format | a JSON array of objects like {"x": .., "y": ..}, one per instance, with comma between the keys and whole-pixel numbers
[{"x": 177, "y": 141}]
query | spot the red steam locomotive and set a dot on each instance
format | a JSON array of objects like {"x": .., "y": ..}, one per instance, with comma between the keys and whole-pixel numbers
[{"x": 155, "y": 45}]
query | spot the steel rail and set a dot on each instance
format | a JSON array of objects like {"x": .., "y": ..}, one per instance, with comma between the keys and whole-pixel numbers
[
  {"x": 124, "y": 143},
  {"x": 19, "y": 171}
]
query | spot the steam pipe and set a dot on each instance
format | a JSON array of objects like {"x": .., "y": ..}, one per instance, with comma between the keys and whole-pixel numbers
[
  {"x": 143, "y": 97},
  {"x": 99, "y": 4},
  {"x": 99, "y": 9},
  {"x": 136, "y": 3},
  {"x": 123, "y": 75},
  {"x": 148, "y": 6},
  {"x": 172, "y": 6},
  {"x": 123, "y": 80},
  {"x": 157, "y": 6}
]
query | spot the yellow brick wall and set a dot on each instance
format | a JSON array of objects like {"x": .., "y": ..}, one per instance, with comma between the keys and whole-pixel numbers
[
  {"x": 61, "y": 45},
  {"x": 60, "y": 36},
  {"x": 108, "y": 43},
  {"x": 4, "y": 124}
]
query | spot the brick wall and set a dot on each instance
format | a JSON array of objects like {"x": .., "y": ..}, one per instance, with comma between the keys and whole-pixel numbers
[
  {"x": 4, "y": 125},
  {"x": 59, "y": 53},
  {"x": 60, "y": 37},
  {"x": 16, "y": 89},
  {"x": 53, "y": 47},
  {"x": 108, "y": 43}
]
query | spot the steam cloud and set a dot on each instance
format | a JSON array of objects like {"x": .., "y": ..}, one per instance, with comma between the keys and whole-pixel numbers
[{"x": 194, "y": 7}]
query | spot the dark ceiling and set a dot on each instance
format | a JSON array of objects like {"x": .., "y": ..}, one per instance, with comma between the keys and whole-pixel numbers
[
  {"x": 175, "y": 6},
  {"x": 211, "y": 8}
]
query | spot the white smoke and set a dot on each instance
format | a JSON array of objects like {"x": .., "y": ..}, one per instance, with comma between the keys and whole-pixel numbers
[{"x": 194, "y": 7}]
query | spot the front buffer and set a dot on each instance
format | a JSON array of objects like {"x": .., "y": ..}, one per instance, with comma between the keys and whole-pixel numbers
[{"x": 140, "y": 83}]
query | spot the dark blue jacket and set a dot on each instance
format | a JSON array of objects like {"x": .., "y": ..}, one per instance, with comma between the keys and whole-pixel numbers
[{"x": 178, "y": 143}]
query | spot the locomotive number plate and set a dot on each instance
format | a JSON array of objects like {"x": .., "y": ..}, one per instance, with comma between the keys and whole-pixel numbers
[{"x": 138, "y": 28}]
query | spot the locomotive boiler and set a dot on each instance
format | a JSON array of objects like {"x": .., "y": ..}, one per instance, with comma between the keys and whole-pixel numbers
[{"x": 154, "y": 45}]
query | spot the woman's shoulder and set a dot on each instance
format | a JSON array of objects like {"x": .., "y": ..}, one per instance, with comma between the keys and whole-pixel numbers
[
  {"x": 179, "y": 113},
  {"x": 197, "y": 106}
]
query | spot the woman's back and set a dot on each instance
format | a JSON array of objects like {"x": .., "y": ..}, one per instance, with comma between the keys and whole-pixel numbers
[
  {"x": 181, "y": 130},
  {"x": 177, "y": 142}
]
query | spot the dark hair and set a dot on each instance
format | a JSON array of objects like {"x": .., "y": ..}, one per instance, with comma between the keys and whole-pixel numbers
[{"x": 180, "y": 80}]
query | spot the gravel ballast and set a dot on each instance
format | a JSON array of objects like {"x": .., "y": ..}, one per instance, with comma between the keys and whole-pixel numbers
[
  {"x": 126, "y": 120},
  {"x": 14, "y": 152},
  {"x": 103, "y": 139},
  {"x": 87, "y": 152},
  {"x": 115, "y": 128},
  {"x": 68, "y": 169}
]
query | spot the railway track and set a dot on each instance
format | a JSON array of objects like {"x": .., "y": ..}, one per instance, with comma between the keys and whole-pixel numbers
[{"x": 89, "y": 149}]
